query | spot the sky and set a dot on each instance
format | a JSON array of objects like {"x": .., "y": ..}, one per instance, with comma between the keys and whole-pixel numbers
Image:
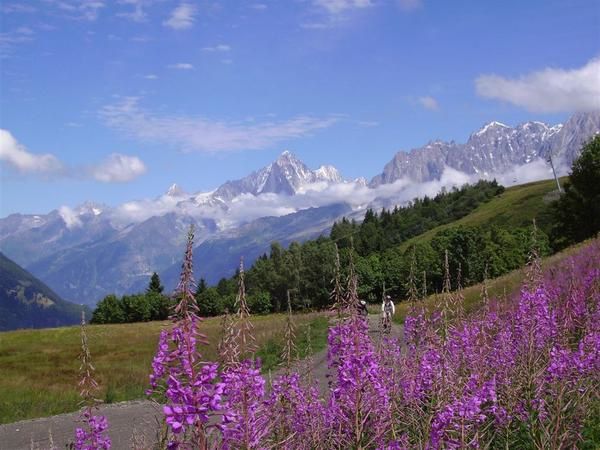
[{"x": 115, "y": 100}]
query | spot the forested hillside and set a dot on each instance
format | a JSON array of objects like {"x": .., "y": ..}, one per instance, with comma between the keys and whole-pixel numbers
[
  {"x": 26, "y": 302},
  {"x": 380, "y": 255}
]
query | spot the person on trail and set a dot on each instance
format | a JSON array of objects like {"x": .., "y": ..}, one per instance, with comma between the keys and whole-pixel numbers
[
  {"x": 387, "y": 311},
  {"x": 362, "y": 308}
]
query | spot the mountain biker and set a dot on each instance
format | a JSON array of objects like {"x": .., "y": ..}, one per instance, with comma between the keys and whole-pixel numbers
[
  {"x": 362, "y": 308},
  {"x": 387, "y": 310}
]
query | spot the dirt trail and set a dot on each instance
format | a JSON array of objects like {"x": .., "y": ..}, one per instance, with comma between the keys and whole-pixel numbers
[{"x": 140, "y": 416}]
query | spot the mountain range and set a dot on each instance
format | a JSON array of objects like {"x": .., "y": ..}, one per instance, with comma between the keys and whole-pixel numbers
[
  {"x": 494, "y": 149},
  {"x": 87, "y": 252}
]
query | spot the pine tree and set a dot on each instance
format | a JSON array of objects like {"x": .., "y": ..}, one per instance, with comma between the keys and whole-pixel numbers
[
  {"x": 202, "y": 286},
  {"x": 154, "y": 286}
]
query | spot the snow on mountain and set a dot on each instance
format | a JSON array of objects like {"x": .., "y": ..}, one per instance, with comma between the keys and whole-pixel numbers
[
  {"x": 328, "y": 173},
  {"x": 90, "y": 209},
  {"x": 286, "y": 175},
  {"x": 494, "y": 149},
  {"x": 175, "y": 191},
  {"x": 492, "y": 126}
]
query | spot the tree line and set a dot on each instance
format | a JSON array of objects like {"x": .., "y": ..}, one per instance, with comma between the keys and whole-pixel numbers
[{"x": 150, "y": 305}]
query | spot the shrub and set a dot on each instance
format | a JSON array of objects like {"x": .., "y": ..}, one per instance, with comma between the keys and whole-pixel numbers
[
  {"x": 209, "y": 302},
  {"x": 260, "y": 303},
  {"x": 137, "y": 308},
  {"x": 109, "y": 310}
]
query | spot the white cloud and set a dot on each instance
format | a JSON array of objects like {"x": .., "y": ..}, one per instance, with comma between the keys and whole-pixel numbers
[
  {"x": 328, "y": 14},
  {"x": 10, "y": 39},
  {"x": 341, "y": 6},
  {"x": 118, "y": 168},
  {"x": 182, "y": 17},
  {"x": 429, "y": 103},
  {"x": 70, "y": 217},
  {"x": 25, "y": 30},
  {"x": 248, "y": 207},
  {"x": 538, "y": 169},
  {"x": 181, "y": 66},
  {"x": 217, "y": 48},
  {"x": 80, "y": 9},
  {"x": 73, "y": 9},
  {"x": 259, "y": 6},
  {"x": 206, "y": 135},
  {"x": 10, "y": 8},
  {"x": 138, "y": 14},
  {"x": 409, "y": 5},
  {"x": 17, "y": 156},
  {"x": 151, "y": 76},
  {"x": 548, "y": 90}
]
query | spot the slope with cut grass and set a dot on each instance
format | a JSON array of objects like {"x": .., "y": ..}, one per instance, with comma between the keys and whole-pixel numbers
[{"x": 517, "y": 206}]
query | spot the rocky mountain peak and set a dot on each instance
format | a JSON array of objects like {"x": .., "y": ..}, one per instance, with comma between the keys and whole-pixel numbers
[
  {"x": 493, "y": 127},
  {"x": 285, "y": 158},
  {"x": 90, "y": 208},
  {"x": 328, "y": 173},
  {"x": 494, "y": 149},
  {"x": 175, "y": 191}
]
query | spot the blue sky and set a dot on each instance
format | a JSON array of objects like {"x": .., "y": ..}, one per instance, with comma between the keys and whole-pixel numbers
[{"x": 114, "y": 100}]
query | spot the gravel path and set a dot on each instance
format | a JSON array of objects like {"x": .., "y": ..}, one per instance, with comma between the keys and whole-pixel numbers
[
  {"x": 134, "y": 417},
  {"x": 123, "y": 418}
]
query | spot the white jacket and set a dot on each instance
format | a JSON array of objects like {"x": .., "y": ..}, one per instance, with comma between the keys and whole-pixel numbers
[{"x": 393, "y": 307}]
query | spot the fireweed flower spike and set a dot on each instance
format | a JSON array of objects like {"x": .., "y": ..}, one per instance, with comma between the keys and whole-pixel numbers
[
  {"x": 228, "y": 351},
  {"x": 244, "y": 339},
  {"x": 187, "y": 384},
  {"x": 244, "y": 420},
  {"x": 337, "y": 294},
  {"x": 289, "y": 349},
  {"x": 92, "y": 435}
]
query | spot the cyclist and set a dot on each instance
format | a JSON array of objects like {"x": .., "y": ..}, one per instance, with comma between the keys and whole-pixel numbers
[
  {"x": 387, "y": 311},
  {"x": 362, "y": 308}
]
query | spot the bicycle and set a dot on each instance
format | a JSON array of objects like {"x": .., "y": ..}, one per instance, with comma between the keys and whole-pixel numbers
[{"x": 386, "y": 322}]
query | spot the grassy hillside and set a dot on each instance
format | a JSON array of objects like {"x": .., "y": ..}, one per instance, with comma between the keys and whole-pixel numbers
[
  {"x": 26, "y": 302},
  {"x": 508, "y": 284},
  {"x": 39, "y": 368},
  {"x": 517, "y": 206}
]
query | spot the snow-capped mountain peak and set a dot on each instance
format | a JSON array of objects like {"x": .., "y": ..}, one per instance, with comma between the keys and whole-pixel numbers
[
  {"x": 90, "y": 208},
  {"x": 286, "y": 175},
  {"x": 492, "y": 126},
  {"x": 294, "y": 170},
  {"x": 175, "y": 191},
  {"x": 285, "y": 155},
  {"x": 328, "y": 173}
]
